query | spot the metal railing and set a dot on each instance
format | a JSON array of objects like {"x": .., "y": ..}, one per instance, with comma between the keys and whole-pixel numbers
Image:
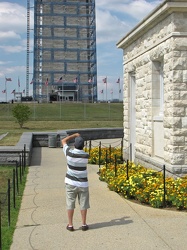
[{"x": 8, "y": 197}]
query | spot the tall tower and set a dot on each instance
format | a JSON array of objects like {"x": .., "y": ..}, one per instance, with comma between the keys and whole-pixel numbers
[{"x": 65, "y": 65}]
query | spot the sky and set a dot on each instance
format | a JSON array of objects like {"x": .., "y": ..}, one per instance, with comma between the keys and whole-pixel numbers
[{"x": 114, "y": 19}]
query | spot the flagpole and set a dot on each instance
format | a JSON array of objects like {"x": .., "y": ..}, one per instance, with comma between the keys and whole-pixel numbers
[
  {"x": 5, "y": 90},
  {"x": 92, "y": 91},
  {"x": 77, "y": 83},
  {"x": 62, "y": 91},
  {"x": 106, "y": 89},
  {"x": 18, "y": 85},
  {"x": 118, "y": 81},
  {"x": 60, "y": 106},
  {"x": 77, "y": 89},
  {"x": 111, "y": 94},
  {"x": 34, "y": 109},
  {"x": 119, "y": 90},
  {"x": 47, "y": 94}
]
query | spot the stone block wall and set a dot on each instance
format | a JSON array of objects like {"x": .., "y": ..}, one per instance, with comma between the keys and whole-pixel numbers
[{"x": 162, "y": 38}]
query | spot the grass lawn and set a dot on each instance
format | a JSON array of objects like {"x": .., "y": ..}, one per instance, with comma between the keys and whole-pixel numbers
[
  {"x": 68, "y": 111},
  {"x": 6, "y": 172},
  {"x": 60, "y": 116}
]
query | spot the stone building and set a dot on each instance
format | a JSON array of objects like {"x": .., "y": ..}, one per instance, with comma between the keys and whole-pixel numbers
[{"x": 155, "y": 88}]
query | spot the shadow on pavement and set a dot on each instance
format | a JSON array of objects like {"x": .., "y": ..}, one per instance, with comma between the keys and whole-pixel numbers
[
  {"x": 36, "y": 160},
  {"x": 115, "y": 222}
]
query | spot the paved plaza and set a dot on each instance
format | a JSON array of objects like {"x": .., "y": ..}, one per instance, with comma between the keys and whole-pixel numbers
[{"x": 115, "y": 223}]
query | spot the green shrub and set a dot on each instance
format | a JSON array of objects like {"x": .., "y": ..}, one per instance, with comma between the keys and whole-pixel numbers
[{"x": 22, "y": 113}]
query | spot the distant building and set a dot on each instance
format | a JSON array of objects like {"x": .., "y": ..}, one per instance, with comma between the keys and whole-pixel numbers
[
  {"x": 17, "y": 96},
  {"x": 155, "y": 88},
  {"x": 65, "y": 66}
]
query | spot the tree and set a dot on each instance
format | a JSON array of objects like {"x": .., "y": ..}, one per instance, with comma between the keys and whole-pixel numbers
[{"x": 22, "y": 113}]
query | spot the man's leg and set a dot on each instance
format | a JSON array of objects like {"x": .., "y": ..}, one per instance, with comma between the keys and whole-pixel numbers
[
  {"x": 70, "y": 202},
  {"x": 83, "y": 214},
  {"x": 83, "y": 197},
  {"x": 70, "y": 217}
]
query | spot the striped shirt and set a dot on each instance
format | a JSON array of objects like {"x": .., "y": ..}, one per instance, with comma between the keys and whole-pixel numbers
[{"x": 77, "y": 161}]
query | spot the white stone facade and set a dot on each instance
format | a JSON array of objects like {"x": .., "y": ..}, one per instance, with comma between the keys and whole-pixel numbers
[{"x": 155, "y": 88}]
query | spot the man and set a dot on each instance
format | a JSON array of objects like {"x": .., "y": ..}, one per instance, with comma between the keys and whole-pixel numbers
[{"x": 76, "y": 179}]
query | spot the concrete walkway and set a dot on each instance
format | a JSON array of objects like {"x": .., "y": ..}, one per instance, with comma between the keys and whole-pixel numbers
[
  {"x": 3, "y": 135},
  {"x": 115, "y": 223}
]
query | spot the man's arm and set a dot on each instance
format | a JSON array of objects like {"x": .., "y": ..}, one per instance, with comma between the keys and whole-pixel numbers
[{"x": 66, "y": 139}]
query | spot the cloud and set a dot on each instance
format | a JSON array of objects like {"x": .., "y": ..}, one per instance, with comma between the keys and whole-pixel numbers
[
  {"x": 6, "y": 35},
  {"x": 3, "y": 62},
  {"x": 108, "y": 3},
  {"x": 115, "y": 18},
  {"x": 13, "y": 27},
  {"x": 9, "y": 71},
  {"x": 136, "y": 8},
  {"x": 13, "y": 49},
  {"x": 109, "y": 27},
  {"x": 12, "y": 17},
  {"x": 13, "y": 69}
]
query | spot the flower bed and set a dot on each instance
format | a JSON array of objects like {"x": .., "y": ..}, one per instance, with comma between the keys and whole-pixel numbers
[
  {"x": 142, "y": 184},
  {"x": 106, "y": 155}
]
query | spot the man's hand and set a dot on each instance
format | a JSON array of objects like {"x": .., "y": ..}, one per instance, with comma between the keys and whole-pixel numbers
[{"x": 66, "y": 139}]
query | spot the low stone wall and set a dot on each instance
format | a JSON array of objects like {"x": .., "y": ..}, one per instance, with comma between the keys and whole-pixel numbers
[
  {"x": 8, "y": 154},
  {"x": 42, "y": 139}
]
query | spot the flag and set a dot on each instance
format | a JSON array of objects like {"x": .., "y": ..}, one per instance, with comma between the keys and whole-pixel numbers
[
  {"x": 4, "y": 91},
  {"x": 75, "y": 80},
  {"x": 60, "y": 79},
  {"x": 101, "y": 91},
  {"x": 13, "y": 91},
  {"x": 111, "y": 91},
  {"x": 105, "y": 80},
  {"x": 8, "y": 79},
  {"x": 24, "y": 91},
  {"x": 18, "y": 82},
  {"x": 46, "y": 83},
  {"x": 31, "y": 81},
  {"x": 90, "y": 80},
  {"x": 120, "y": 91},
  {"x": 118, "y": 80}
]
